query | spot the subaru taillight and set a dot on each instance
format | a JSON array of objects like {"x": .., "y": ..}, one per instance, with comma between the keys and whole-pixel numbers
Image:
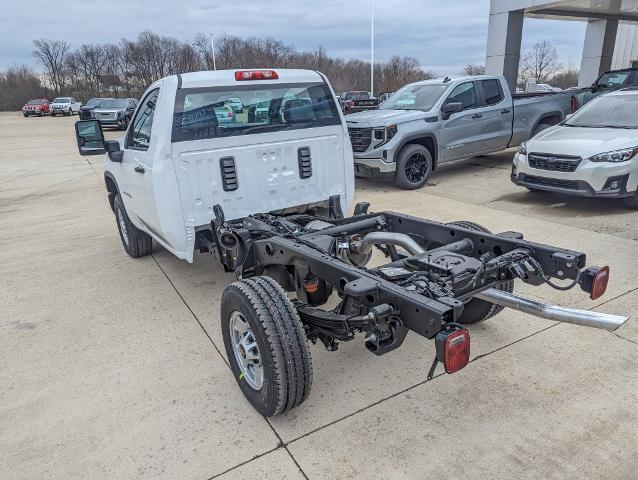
[{"x": 453, "y": 348}]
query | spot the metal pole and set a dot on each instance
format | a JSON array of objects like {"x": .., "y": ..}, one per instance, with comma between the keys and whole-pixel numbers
[
  {"x": 372, "y": 47},
  {"x": 212, "y": 45}
]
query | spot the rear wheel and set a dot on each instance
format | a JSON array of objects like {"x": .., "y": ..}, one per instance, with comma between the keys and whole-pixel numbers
[
  {"x": 26, "y": 115},
  {"x": 266, "y": 345},
  {"x": 136, "y": 242},
  {"x": 414, "y": 167},
  {"x": 477, "y": 310}
]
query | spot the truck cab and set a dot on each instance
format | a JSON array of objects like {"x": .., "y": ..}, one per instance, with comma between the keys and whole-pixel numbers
[{"x": 178, "y": 160}]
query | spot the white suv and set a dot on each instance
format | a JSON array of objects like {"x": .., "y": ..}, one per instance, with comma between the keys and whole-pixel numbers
[
  {"x": 65, "y": 106},
  {"x": 594, "y": 153}
]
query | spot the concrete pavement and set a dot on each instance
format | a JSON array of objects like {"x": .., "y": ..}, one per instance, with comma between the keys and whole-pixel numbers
[{"x": 115, "y": 368}]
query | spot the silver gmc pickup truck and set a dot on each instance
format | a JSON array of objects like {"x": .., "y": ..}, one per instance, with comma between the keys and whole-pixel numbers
[{"x": 431, "y": 122}]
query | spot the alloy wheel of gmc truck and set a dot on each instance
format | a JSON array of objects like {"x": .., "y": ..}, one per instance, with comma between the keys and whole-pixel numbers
[{"x": 414, "y": 167}]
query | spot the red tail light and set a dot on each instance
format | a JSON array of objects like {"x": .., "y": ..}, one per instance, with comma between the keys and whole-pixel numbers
[
  {"x": 255, "y": 75},
  {"x": 574, "y": 104},
  {"x": 453, "y": 348},
  {"x": 230, "y": 113},
  {"x": 594, "y": 281}
]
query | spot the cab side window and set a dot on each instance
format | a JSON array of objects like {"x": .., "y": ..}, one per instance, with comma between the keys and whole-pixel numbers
[
  {"x": 465, "y": 94},
  {"x": 492, "y": 91},
  {"x": 140, "y": 133}
]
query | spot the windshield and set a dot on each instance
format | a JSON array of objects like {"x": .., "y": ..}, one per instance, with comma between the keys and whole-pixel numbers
[
  {"x": 415, "y": 97},
  {"x": 613, "y": 79},
  {"x": 94, "y": 102},
  {"x": 34, "y": 102},
  {"x": 357, "y": 96},
  {"x": 113, "y": 103},
  {"x": 613, "y": 111},
  {"x": 205, "y": 112},
  {"x": 62, "y": 100}
]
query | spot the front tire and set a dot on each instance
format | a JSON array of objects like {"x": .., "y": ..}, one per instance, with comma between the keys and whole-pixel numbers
[
  {"x": 477, "y": 310},
  {"x": 266, "y": 345},
  {"x": 136, "y": 242},
  {"x": 414, "y": 167}
]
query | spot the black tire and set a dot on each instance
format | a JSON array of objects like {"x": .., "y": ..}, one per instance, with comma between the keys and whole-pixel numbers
[
  {"x": 136, "y": 242},
  {"x": 275, "y": 327},
  {"x": 414, "y": 167},
  {"x": 477, "y": 310},
  {"x": 632, "y": 202},
  {"x": 26, "y": 115},
  {"x": 52, "y": 114}
]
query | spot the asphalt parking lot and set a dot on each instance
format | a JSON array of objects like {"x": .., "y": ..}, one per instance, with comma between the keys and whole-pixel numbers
[{"x": 115, "y": 368}]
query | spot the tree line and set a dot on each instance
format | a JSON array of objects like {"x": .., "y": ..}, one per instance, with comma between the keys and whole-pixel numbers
[{"x": 126, "y": 68}]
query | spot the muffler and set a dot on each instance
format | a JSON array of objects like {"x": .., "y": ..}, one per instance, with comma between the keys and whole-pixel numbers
[{"x": 586, "y": 318}]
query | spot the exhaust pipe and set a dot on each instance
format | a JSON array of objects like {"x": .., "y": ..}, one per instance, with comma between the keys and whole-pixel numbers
[
  {"x": 586, "y": 318},
  {"x": 387, "y": 238}
]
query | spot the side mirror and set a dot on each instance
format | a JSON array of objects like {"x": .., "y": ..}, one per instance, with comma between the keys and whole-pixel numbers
[
  {"x": 449, "y": 108},
  {"x": 113, "y": 149},
  {"x": 594, "y": 87},
  {"x": 90, "y": 138}
]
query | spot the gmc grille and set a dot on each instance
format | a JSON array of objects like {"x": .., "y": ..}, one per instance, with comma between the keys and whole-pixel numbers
[
  {"x": 554, "y": 163},
  {"x": 360, "y": 138}
]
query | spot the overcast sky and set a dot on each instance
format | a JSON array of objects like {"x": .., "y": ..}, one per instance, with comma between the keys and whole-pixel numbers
[{"x": 444, "y": 36}]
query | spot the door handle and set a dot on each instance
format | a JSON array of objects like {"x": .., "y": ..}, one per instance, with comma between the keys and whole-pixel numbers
[
  {"x": 477, "y": 115},
  {"x": 505, "y": 110},
  {"x": 139, "y": 169}
]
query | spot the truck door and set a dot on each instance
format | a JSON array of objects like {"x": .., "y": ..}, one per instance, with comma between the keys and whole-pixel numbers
[
  {"x": 137, "y": 165},
  {"x": 462, "y": 133},
  {"x": 498, "y": 115}
]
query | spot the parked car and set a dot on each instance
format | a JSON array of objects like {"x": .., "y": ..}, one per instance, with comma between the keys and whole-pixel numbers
[
  {"x": 594, "y": 153},
  {"x": 225, "y": 113},
  {"x": 236, "y": 105},
  {"x": 115, "y": 112},
  {"x": 267, "y": 201},
  {"x": 258, "y": 109},
  {"x": 352, "y": 102},
  {"x": 607, "y": 82},
  {"x": 86, "y": 110},
  {"x": 428, "y": 123},
  {"x": 544, "y": 87},
  {"x": 64, "y": 106},
  {"x": 38, "y": 106}
]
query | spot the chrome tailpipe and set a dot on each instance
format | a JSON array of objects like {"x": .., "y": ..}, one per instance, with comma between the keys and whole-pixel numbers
[{"x": 586, "y": 318}]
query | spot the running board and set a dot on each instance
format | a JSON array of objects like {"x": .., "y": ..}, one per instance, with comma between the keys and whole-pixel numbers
[{"x": 586, "y": 318}]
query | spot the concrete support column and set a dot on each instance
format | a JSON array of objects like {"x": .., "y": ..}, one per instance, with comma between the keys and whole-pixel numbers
[
  {"x": 504, "y": 45},
  {"x": 598, "y": 50}
]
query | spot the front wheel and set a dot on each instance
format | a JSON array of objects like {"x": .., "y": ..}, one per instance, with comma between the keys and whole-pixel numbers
[
  {"x": 414, "y": 167},
  {"x": 266, "y": 345},
  {"x": 136, "y": 242},
  {"x": 477, "y": 310}
]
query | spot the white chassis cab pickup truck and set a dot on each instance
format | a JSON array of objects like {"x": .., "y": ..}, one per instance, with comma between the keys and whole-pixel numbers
[
  {"x": 265, "y": 194},
  {"x": 428, "y": 123}
]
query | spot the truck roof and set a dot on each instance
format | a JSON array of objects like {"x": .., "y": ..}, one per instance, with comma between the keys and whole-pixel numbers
[
  {"x": 224, "y": 78},
  {"x": 436, "y": 81}
]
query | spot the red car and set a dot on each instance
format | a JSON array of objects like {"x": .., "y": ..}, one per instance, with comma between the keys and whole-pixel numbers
[{"x": 39, "y": 107}]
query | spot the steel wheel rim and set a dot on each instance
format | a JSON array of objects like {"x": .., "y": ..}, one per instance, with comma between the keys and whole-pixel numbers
[
  {"x": 120, "y": 219},
  {"x": 416, "y": 167},
  {"x": 246, "y": 351}
]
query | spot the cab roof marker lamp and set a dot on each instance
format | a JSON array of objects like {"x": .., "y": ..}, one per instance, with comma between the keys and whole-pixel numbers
[{"x": 243, "y": 75}]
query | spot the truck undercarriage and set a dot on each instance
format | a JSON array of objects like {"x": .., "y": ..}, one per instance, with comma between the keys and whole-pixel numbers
[{"x": 438, "y": 277}]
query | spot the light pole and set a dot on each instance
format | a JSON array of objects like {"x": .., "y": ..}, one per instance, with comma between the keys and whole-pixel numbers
[
  {"x": 372, "y": 47},
  {"x": 212, "y": 46}
]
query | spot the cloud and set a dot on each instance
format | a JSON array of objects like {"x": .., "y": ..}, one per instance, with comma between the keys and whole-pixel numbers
[{"x": 442, "y": 36}]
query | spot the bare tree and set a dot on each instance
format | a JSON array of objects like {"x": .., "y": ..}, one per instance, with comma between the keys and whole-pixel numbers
[
  {"x": 565, "y": 79},
  {"x": 472, "y": 69},
  {"x": 19, "y": 84},
  {"x": 540, "y": 63},
  {"x": 52, "y": 54}
]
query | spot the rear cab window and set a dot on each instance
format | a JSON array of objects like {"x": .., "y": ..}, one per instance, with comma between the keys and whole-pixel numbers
[
  {"x": 492, "y": 91},
  {"x": 214, "y": 112}
]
